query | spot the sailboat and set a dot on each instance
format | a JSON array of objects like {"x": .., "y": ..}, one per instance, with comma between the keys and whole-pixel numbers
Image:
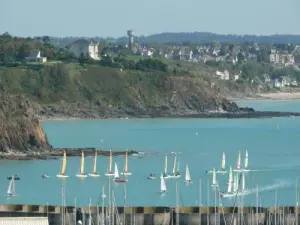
[
  {"x": 175, "y": 172},
  {"x": 165, "y": 175},
  {"x": 243, "y": 191},
  {"x": 125, "y": 170},
  {"x": 94, "y": 173},
  {"x": 238, "y": 164},
  {"x": 245, "y": 169},
  {"x": 117, "y": 176},
  {"x": 163, "y": 186},
  {"x": 223, "y": 165},
  {"x": 187, "y": 175},
  {"x": 81, "y": 173},
  {"x": 103, "y": 195},
  {"x": 214, "y": 179},
  {"x": 110, "y": 172},
  {"x": 222, "y": 170},
  {"x": 63, "y": 167},
  {"x": 11, "y": 191},
  {"x": 229, "y": 192}
]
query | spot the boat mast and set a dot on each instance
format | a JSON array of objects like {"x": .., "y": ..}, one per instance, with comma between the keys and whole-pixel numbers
[
  {"x": 296, "y": 208},
  {"x": 200, "y": 201},
  {"x": 257, "y": 204},
  {"x": 102, "y": 208},
  {"x": 125, "y": 195},
  {"x": 113, "y": 208},
  {"x": 109, "y": 202},
  {"x": 208, "y": 202},
  {"x": 215, "y": 189},
  {"x": 75, "y": 212},
  {"x": 177, "y": 202}
]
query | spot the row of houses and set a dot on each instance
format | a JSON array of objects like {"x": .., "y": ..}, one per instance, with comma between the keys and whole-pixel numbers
[{"x": 283, "y": 81}]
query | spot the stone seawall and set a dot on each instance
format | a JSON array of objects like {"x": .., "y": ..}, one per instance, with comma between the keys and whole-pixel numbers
[{"x": 158, "y": 215}]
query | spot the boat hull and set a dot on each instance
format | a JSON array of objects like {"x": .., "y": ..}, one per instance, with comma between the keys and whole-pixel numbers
[
  {"x": 62, "y": 176},
  {"x": 109, "y": 174},
  {"x": 173, "y": 177},
  {"x": 227, "y": 195},
  {"x": 120, "y": 180},
  {"x": 81, "y": 175},
  {"x": 94, "y": 175},
  {"x": 188, "y": 181},
  {"x": 10, "y": 196},
  {"x": 126, "y": 174},
  {"x": 151, "y": 178},
  {"x": 16, "y": 178},
  {"x": 218, "y": 171}
]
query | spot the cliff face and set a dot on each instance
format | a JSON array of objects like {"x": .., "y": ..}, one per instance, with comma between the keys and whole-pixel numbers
[
  {"x": 19, "y": 127},
  {"x": 178, "y": 96}
]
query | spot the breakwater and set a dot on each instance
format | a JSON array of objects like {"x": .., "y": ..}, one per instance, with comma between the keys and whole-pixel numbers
[{"x": 157, "y": 215}]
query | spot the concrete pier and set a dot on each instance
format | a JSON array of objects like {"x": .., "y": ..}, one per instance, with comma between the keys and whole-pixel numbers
[{"x": 158, "y": 215}]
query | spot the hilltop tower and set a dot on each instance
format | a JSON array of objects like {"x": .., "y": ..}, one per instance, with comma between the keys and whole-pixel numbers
[{"x": 130, "y": 37}]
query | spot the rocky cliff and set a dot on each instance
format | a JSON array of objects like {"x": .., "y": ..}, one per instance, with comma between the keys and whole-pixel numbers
[
  {"x": 20, "y": 130},
  {"x": 180, "y": 96}
]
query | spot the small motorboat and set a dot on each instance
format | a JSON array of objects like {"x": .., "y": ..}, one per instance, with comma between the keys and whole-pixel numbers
[
  {"x": 16, "y": 177},
  {"x": 151, "y": 177},
  {"x": 45, "y": 176},
  {"x": 118, "y": 180}
]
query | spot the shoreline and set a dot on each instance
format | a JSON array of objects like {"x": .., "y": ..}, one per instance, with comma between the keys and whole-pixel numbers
[
  {"x": 276, "y": 96},
  {"x": 248, "y": 113},
  {"x": 57, "y": 153}
]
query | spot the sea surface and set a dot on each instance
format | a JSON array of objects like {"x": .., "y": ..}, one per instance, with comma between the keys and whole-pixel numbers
[{"x": 273, "y": 146}]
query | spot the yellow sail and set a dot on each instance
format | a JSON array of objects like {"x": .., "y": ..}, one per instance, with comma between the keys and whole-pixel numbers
[
  {"x": 64, "y": 163},
  {"x": 110, "y": 162},
  {"x": 95, "y": 163},
  {"x": 82, "y": 163},
  {"x": 126, "y": 163}
]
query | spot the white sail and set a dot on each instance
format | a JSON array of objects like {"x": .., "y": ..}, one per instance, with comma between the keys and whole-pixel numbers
[
  {"x": 187, "y": 174},
  {"x": 174, "y": 165},
  {"x": 243, "y": 182},
  {"x": 116, "y": 174},
  {"x": 246, "y": 160},
  {"x": 166, "y": 164},
  {"x": 10, "y": 187},
  {"x": 103, "y": 195},
  {"x": 230, "y": 176},
  {"x": 223, "y": 161},
  {"x": 235, "y": 184},
  {"x": 177, "y": 171},
  {"x": 163, "y": 187},
  {"x": 238, "y": 164},
  {"x": 214, "y": 180},
  {"x": 230, "y": 181}
]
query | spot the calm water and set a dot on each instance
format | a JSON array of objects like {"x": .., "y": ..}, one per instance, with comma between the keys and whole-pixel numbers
[{"x": 272, "y": 144}]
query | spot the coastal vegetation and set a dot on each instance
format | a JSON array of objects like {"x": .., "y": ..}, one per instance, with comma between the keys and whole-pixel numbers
[{"x": 126, "y": 83}]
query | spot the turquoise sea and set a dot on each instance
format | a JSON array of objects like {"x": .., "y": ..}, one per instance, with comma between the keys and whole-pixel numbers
[{"x": 273, "y": 146}]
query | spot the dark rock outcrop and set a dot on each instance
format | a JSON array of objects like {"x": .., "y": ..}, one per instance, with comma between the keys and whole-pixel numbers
[{"x": 20, "y": 130}]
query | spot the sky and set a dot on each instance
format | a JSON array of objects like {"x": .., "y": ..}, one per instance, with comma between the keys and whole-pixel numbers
[{"x": 112, "y": 18}]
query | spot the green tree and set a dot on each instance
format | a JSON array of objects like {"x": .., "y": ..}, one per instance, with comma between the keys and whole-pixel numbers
[{"x": 82, "y": 59}]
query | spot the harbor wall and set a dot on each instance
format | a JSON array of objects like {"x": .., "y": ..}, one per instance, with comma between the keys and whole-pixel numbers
[{"x": 158, "y": 215}]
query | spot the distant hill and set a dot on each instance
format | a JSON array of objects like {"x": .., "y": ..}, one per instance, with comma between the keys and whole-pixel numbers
[
  {"x": 204, "y": 37},
  {"x": 193, "y": 38}
]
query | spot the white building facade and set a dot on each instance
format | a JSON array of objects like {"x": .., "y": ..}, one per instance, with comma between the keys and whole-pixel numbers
[{"x": 86, "y": 47}]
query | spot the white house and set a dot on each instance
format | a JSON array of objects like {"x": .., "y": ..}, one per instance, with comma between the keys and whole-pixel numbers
[
  {"x": 86, "y": 47},
  {"x": 35, "y": 56},
  {"x": 223, "y": 75}
]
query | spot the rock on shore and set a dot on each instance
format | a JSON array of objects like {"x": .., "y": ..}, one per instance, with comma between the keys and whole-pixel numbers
[{"x": 20, "y": 131}]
